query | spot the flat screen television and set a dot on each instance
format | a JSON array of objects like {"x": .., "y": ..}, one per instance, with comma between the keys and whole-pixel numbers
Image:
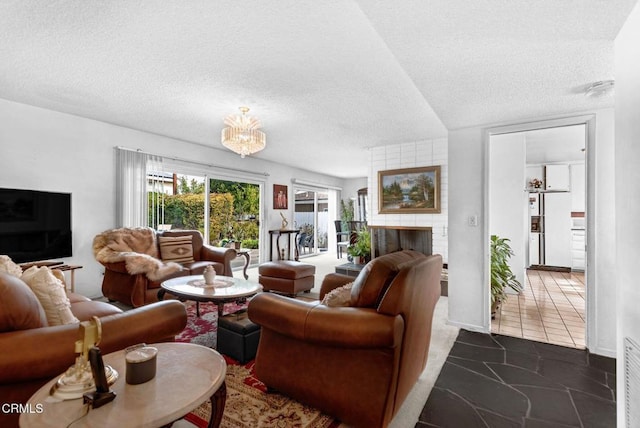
[{"x": 35, "y": 225}]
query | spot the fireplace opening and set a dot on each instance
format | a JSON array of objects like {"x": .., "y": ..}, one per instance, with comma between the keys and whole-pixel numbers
[{"x": 388, "y": 239}]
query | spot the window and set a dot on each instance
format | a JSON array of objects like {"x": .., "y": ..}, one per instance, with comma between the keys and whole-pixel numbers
[{"x": 169, "y": 194}]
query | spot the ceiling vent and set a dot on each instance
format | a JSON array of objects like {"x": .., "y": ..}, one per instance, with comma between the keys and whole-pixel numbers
[{"x": 600, "y": 88}]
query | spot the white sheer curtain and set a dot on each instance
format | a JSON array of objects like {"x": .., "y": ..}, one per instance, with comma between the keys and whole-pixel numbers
[
  {"x": 132, "y": 204},
  {"x": 157, "y": 178}
]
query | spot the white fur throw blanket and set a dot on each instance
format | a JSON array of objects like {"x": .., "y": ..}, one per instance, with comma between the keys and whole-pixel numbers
[{"x": 137, "y": 248}]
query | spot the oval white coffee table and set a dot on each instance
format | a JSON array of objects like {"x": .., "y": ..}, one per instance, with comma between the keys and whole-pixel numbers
[
  {"x": 186, "y": 376},
  {"x": 226, "y": 289}
]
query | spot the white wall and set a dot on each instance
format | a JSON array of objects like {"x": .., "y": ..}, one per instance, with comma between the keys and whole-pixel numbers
[
  {"x": 468, "y": 250},
  {"x": 508, "y": 202},
  {"x": 411, "y": 155},
  {"x": 627, "y": 208},
  {"x": 468, "y": 245},
  {"x": 47, "y": 150},
  {"x": 578, "y": 189},
  {"x": 351, "y": 187},
  {"x": 601, "y": 241}
]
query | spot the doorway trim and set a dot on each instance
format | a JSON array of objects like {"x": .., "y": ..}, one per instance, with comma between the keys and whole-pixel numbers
[{"x": 589, "y": 120}]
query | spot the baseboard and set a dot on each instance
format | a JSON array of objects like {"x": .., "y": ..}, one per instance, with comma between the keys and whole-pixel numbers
[
  {"x": 469, "y": 327},
  {"x": 550, "y": 268}
]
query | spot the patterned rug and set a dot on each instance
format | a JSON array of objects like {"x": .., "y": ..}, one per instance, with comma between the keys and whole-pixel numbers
[
  {"x": 201, "y": 330},
  {"x": 248, "y": 405}
]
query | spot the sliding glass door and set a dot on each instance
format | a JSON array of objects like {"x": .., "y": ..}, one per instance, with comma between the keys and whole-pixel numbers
[
  {"x": 227, "y": 217},
  {"x": 234, "y": 213},
  {"x": 311, "y": 216}
]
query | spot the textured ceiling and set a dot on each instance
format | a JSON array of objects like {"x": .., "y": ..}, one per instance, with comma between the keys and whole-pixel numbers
[{"x": 327, "y": 79}]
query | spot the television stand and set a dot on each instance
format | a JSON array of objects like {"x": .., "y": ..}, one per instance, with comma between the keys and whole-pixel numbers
[
  {"x": 48, "y": 263},
  {"x": 56, "y": 265}
]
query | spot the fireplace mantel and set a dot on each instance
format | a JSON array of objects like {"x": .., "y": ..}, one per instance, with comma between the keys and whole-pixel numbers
[{"x": 387, "y": 239}]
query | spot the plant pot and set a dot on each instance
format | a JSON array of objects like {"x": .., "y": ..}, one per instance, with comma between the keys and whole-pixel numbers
[{"x": 494, "y": 308}]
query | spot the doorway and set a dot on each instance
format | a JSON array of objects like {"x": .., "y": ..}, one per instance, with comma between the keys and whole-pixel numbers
[
  {"x": 311, "y": 216},
  {"x": 537, "y": 200}
]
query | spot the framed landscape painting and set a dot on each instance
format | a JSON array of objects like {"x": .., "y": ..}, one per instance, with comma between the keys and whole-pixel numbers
[{"x": 409, "y": 190}]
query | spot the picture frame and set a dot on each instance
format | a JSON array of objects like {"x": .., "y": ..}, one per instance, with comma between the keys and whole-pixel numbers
[
  {"x": 280, "y": 197},
  {"x": 409, "y": 190}
]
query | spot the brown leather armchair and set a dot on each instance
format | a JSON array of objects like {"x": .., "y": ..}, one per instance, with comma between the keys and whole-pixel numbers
[
  {"x": 137, "y": 290},
  {"x": 355, "y": 363},
  {"x": 33, "y": 353}
]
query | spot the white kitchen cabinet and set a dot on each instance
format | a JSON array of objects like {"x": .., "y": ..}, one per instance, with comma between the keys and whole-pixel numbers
[
  {"x": 557, "y": 178},
  {"x": 534, "y": 249},
  {"x": 578, "y": 253}
]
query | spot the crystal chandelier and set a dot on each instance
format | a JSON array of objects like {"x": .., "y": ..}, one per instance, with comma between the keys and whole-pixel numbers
[{"x": 242, "y": 134}]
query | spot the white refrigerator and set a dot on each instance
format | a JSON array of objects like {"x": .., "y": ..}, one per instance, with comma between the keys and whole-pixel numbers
[
  {"x": 535, "y": 229},
  {"x": 556, "y": 238}
]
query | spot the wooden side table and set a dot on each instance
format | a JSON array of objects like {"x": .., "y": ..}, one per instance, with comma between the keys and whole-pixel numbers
[
  {"x": 187, "y": 375},
  {"x": 246, "y": 253},
  {"x": 72, "y": 269},
  {"x": 59, "y": 266},
  {"x": 292, "y": 245}
]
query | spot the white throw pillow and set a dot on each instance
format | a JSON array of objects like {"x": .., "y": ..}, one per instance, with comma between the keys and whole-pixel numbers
[
  {"x": 7, "y": 265},
  {"x": 51, "y": 293},
  {"x": 340, "y": 296}
]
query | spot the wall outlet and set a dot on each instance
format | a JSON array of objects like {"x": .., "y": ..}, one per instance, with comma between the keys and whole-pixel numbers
[{"x": 473, "y": 220}]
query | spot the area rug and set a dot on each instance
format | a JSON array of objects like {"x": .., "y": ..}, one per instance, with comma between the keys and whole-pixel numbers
[
  {"x": 201, "y": 330},
  {"x": 248, "y": 404}
]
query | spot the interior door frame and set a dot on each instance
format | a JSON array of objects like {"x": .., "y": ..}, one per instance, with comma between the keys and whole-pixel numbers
[
  {"x": 301, "y": 188},
  {"x": 591, "y": 285}
]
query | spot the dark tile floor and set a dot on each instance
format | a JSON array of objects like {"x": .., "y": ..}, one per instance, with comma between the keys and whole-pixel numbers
[{"x": 500, "y": 381}]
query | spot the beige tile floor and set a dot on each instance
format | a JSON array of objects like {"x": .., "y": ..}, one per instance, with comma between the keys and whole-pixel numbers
[{"x": 550, "y": 309}]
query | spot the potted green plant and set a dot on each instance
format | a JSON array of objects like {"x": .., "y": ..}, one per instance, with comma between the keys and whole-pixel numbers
[
  {"x": 360, "y": 250},
  {"x": 346, "y": 213},
  {"x": 230, "y": 243},
  {"x": 501, "y": 274}
]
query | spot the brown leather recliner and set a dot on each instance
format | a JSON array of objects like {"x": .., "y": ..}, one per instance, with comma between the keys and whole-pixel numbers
[
  {"x": 137, "y": 290},
  {"x": 355, "y": 363},
  {"x": 33, "y": 353}
]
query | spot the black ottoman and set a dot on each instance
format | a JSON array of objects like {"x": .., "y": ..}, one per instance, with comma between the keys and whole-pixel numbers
[{"x": 238, "y": 337}]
